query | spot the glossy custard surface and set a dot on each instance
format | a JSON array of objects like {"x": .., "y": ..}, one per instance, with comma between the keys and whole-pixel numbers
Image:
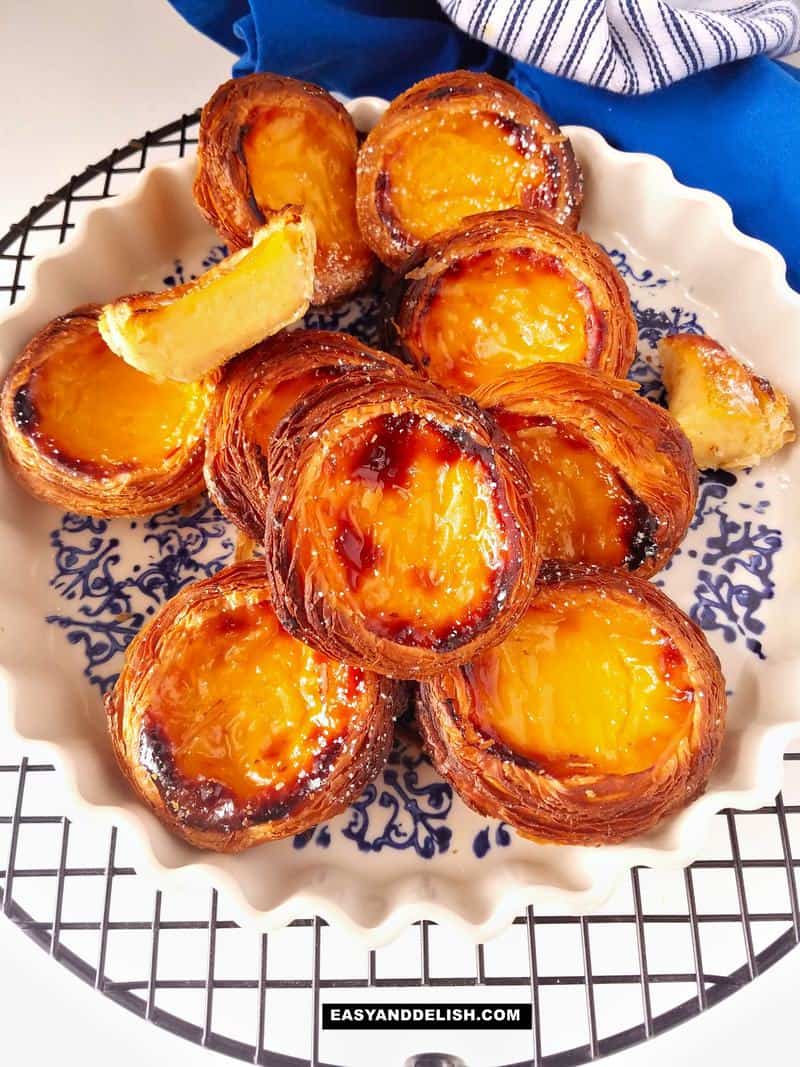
[
  {"x": 585, "y": 684},
  {"x": 465, "y": 161},
  {"x": 419, "y": 544},
  {"x": 585, "y": 512},
  {"x": 89, "y": 408},
  {"x": 243, "y": 704},
  {"x": 293, "y": 157},
  {"x": 504, "y": 310}
]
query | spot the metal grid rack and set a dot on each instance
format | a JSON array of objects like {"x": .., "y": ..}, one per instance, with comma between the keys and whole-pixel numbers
[{"x": 668, "y": 946}]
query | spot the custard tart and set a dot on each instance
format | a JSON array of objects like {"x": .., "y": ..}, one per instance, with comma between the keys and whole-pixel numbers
[
  {"x": 254, "y": 393},
  {"x": 400, "y": 534},
  {"x": 600, "y": 714},
  {"x": 267, "y": 141},
  {"x": 235, "y": 733},
  {"x": 453, "y": 145},
  {"x": 85, "y": 431},
  {"x": 614, "y": 480},
  {"x": 505, "y": 291}
]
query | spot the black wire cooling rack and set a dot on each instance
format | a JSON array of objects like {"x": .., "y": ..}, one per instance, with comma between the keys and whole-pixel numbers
[{"x": 668, "y": 946}]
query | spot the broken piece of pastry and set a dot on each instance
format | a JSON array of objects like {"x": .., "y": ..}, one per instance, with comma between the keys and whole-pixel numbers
[
  {"x": 184, "y": 333},
  {"x": 733, "y": 417}
]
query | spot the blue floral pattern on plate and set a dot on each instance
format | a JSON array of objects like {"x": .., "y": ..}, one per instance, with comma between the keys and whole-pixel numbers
[{"x": 111, "y": 575}]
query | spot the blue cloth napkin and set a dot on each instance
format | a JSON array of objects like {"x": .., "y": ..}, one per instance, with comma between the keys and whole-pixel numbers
[{"x": 734, "y": 130}]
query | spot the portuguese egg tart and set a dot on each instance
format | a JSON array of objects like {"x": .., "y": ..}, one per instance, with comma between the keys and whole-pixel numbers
[
  {"x": 86, "y": 432},
  {"x": 235, "y": 733},
  {"x": 614, "y": 481},
  {"x": 255, "y": 391},
  {"x": 453, "y": 145},
  {"x": 733, "y": 417},
  {"x": 267, "y": 141},
  {"x": 400, "y": 533},
  {"x": 184, "y": 332},
  {"x": 602, "y": 712},
  {"x": 507, "y": 290}
]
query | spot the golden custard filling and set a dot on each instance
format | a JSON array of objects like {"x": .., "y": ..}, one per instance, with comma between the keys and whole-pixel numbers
[
  {"x": 500, "y": 311},
  {"x": 585, "y": 686},
  {"x": 466, "y": 161},
  {"x": 293, "y": 157},
  {"x": 585, "y": 512},
  {"x": 89, "y": 408},
  {"x": 266, "y": 409},
  {"x": 405, "y": 526},
  {"x": 243, "y": 704}
]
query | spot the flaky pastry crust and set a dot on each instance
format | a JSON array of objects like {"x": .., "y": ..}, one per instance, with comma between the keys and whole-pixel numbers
[{"x": 733, "y": 417}]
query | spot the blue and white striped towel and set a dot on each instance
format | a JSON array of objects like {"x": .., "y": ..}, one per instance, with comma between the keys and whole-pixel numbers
[{"x": 630, "y": 46}]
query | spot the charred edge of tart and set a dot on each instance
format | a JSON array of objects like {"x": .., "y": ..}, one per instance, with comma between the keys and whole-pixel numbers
[{"x": 206, "y": 804}]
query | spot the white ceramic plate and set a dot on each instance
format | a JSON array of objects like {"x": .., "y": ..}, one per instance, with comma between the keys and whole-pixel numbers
[{"x": 74, "y": 590}]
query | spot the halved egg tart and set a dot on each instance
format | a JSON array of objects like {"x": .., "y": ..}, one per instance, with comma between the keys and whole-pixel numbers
[
  {"x": 235, "y": 733},
  {"x": 453, "y": 145},
  {"x": 400, "y": 534},
  {"x": 254, "y": 393},
  {"x": 601, "y": 713},
  {"x": 505, "y": 291},
  {"x": 87, "y": 432},
  {"x": 614, "y": 479},
  {"x": 267, "y": 141},
  {"x": 190, "y": 330}
]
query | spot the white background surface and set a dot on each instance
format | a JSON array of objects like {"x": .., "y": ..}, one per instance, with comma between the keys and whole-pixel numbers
[{"x": 78, "y": 80}]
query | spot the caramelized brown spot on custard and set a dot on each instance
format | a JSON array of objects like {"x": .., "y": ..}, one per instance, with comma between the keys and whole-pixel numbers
[
  {"x": 423, "y": 549},
  {"x": 584, "y": 686},
  {"x": 503, "y": 310},
  {"x": 241, "y": 719},
  {"x": 586, "y": 513},
  {"x": 89, "y": 410}
]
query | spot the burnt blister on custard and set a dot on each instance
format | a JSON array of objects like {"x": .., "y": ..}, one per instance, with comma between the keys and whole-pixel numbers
[
  {"x": 255, "y": 391},
  {"x": 600, "y": 714},
  {"x": 400, "y": 531},
  {"x": 85, "y": 431},
  {"x": 233, "y": 731},
  {"x": 267, "y": 141},
  {"x": 505, "y": 291},
  {"x": 612, "y": 474},
  {"x": 453, "y": 145}
]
